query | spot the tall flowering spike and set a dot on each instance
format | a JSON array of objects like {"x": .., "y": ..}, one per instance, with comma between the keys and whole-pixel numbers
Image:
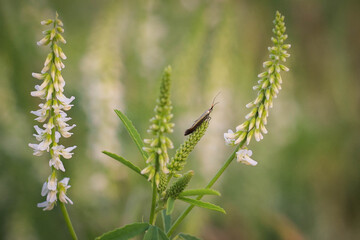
[
  {"x": 52, "y": 114},
  {"x": 179, "y": 160},
  {"x": 160, "y": 125},
  {"x": 268, "y": 87}
]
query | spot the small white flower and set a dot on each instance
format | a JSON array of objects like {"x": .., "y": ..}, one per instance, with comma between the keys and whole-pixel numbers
[
  {"x": 37, "y": 152},
  {"x": 240, "y": 138},
  {"x": 50, "y": 92},
  {"x": 57, "y": 163},
  {"x": 44, "y": 40},
  {"x": 42, "y": 113},
  {"x": 229, "y": 137},
  {"x": 40, "y": 136},
  {"x": 57, "y": 107},
  {"x": 44, "y": 145},
  {"x": 263, "y": 129},
  {"x": 51, "y": 196},
  {"x": 147, "y": 169},
  {"x": 46, "y": 205},
  {"x": 258, "y": 135},
  {"x": 52, "y": 182},
  {"x": 65, "y": 131},
  {"x": 57, "y": 136},
  {"x": 63, "y": 187},
  {"x": 39, "y": 92},
  {"x": 64, "y": 100},
  {"x": 66, "y": 153},
  {"x": 61, "y": 120},
  {"x": 48, "y": 126},
  {"x": 59, "y": 82},
  {"x": 243, "y": 156},
  {"x": 243, "y": 126}
]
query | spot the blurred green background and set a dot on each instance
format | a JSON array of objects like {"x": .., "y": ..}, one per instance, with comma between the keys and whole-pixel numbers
[{"x": 307, "y": 182}]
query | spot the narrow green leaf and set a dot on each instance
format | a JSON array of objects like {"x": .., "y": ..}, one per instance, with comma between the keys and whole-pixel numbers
[
  {"x": 202, "y": 204},
  {"x": 126, "y": 232},
  {"x": 202, "y": 191},
  {"x": 166, "y": 220},
  {"x": 155, "y": 233},
  {"x": 134, "y": 134},
  {"x": 170, "y": 205},
  {"x": 125, "y": 162},
  {"x": 184, "y": 236}
]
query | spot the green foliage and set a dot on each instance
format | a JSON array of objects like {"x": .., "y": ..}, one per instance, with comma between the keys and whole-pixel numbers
[
  {"x": 183, "y": 236},
  {"x": 125, "y": 162},
  {"x": 170, "y": 204},
  {"x": 166, "y": 220},
  {"x": 134, "y": 134},
  {"x": 155, "y": 233},
  {"x": 126, "y": 232},
  {"x": 202, "y": 191},
  {"x": 202, "y": 204}
]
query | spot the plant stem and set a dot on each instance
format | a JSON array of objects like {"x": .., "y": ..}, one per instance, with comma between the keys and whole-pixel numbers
[
  {"x": 68, "y": 221},
  {"x": 153, "y": 204},
  {"x": 209, "y": 185}
]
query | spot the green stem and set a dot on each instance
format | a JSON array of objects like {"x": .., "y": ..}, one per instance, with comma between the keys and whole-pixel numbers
[
  {"x": 68, "y": 221},
  {"x": 209, "y": 185},
  {"x": 153, "y": 204}
]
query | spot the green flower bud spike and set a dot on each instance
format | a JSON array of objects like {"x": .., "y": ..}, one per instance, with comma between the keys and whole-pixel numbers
[
  {"x": 163, "y": 183},
  {"x": 268, "y": 88},
  {"x": 179, "y": 160},
  {"x": 179, "y": 186},
  {"x": 160, "y": 125}
]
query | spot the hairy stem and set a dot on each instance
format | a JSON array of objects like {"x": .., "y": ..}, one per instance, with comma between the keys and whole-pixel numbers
[
  {"x": 68, "y": 221},
  {"x": 209, "y": 185}
]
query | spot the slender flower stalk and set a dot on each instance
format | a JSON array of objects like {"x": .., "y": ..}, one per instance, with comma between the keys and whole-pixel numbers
[
  {"x": 268, "y": 88},
  {"x": 52, "y": 115}
]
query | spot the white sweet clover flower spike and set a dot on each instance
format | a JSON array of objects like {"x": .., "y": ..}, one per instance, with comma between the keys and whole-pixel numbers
[
  {"x": 52, "y": 114},
  {"x": 268, "y": 88},
  {"x": 243, "y": 156}
]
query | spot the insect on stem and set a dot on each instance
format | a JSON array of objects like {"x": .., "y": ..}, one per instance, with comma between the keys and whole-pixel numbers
[{"x": 202, "y": 118}]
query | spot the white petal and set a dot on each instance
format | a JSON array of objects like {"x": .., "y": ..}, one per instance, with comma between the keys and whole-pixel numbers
[
  {"x": 65, "y": 181},
  {"x": 51, "y": 197},
  {"x": 44, "y": 189}
]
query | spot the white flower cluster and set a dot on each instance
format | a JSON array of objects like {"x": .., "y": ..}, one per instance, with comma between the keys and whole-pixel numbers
[{"x": 53, "y": 111}]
